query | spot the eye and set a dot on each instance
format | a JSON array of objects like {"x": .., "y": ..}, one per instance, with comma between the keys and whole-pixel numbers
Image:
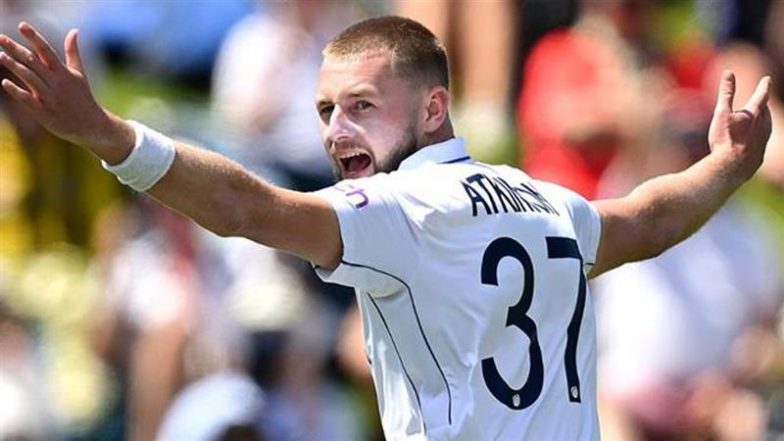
[
  {"x": 325, "y": 112},
  {"x": 362, "y": 105}
]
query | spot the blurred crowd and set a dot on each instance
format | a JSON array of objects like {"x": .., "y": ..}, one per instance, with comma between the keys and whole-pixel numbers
[{"x": 120, "y": 320}]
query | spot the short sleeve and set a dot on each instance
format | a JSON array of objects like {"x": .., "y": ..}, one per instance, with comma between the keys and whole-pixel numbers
[
  {"x": 378, "y": 244},
  {"x": 588, "y": 226},
  {"x": 585, "y": 220}
]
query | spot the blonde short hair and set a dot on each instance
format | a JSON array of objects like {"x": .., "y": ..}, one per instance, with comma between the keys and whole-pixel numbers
[{"x": 416, "y": 53}]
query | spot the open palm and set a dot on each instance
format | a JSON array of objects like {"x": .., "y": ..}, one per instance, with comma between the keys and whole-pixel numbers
[{"x": 56, "y": 93}]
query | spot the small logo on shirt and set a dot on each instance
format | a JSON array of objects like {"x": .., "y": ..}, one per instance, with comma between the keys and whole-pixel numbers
[{"x": 356, "y": 196}]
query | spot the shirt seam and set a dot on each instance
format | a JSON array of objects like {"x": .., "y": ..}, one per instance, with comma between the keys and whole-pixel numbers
[{"x": 419, "y": 325}]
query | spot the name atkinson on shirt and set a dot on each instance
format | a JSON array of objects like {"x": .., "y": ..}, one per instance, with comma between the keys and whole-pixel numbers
[{"x": 494, "y": 195}]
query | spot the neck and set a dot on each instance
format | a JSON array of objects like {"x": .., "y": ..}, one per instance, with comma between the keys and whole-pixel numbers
[{"x": 444, "y": 133}]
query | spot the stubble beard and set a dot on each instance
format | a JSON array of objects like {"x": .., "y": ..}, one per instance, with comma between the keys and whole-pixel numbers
[{"x": 406, "y": 147}]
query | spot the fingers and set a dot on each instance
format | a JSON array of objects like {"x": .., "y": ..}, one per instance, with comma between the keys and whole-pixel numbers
[
  {"x": 39, "y": 62},
  {"x": 34, "y": 83},
  {"x": 18, "y": 93},
  {"x": 72, "y": 57},
  {"x": 726, "y": 92},
  {"x": 759, "y": 98},
  {"x": 23, "y": 55},
  {"x": 42, "y": 47}
]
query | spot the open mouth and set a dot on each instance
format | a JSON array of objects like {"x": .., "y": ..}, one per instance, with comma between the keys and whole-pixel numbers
[{"x": 354, "y": 164}]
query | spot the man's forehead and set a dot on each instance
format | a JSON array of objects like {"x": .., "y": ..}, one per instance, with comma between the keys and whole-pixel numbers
[
  {"x": 366, "y": 63},
  {"x": 355, "y": 73}
]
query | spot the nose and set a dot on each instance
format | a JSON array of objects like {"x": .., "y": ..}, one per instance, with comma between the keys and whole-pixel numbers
[{"x": 340, "y": 126}]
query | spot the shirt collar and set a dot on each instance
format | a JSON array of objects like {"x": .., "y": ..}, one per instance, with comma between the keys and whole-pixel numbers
[{"x": 449, "y": 151}]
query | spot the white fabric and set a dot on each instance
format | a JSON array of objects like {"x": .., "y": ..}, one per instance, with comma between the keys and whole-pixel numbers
[
  {"x": 206, "y": 408},
  {"x": 152, "y": 155},
  {"x": 414, "y": 245}
]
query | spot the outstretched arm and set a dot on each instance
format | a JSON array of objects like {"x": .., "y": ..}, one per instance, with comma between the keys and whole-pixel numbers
[
  {"x": 212, "y": 190},
  {"x": 666, "y": 210}
]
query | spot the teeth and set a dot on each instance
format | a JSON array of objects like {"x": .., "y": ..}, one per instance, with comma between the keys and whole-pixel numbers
[{"x": 349, "y": 155}]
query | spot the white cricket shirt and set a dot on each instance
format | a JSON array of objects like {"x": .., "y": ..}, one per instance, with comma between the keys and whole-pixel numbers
[{"x": 470, "y": 279}]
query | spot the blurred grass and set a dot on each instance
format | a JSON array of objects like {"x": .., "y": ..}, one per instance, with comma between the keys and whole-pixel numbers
[
  {"x": 121, "y": 88},
  {"x": 769, "y": 200}
]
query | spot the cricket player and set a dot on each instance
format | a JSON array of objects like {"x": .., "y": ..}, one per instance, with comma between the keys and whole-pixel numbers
[{"x": 470, "y": 278}]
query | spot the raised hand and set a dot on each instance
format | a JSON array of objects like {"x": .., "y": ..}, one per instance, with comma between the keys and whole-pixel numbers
[
  {"x": 742, "y": 134},
  {"x": 58, "y": 94}
]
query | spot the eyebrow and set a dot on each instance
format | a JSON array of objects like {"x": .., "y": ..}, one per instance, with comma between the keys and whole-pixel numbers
[{"x": 359, "y": 91}]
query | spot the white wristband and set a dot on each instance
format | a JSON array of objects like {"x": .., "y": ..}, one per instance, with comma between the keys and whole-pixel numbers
[{"x": 152, "y": 156}]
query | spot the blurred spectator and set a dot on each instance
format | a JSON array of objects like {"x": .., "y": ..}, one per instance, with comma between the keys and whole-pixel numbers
[
  {"x": 168, "y": 312},
  {"x": 24, "y": 411},
  {"x": 481, "y": 44},
  {"x": 304, "y": 404},
  {"x": 265, "y": 83},
  {"x": 581, "y": 95},
  {"x": 267, "y": 297},
  {"x": 672, "y": 369},
  {"x": 684, "y": 336},
  {"x": 144, "y": 319},
  {"x": 178, "y": 39},
  {"x": 191, "y": 302},
  {"x": 207, "y": 409}
]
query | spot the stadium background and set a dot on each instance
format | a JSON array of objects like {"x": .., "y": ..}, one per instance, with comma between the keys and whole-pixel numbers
[{"x": 119, "y": 320}]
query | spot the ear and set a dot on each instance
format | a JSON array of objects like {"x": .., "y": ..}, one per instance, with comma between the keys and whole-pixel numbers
[{"x": 436, "y": 109}]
